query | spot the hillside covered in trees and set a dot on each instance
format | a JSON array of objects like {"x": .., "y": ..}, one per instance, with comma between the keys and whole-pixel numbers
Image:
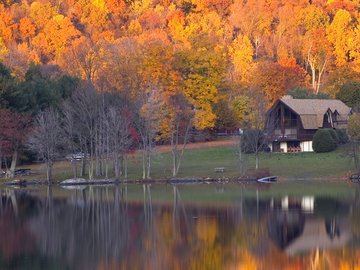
[
  {"x": 211, "y": 51},
  {"x": 181, "y": 63}
]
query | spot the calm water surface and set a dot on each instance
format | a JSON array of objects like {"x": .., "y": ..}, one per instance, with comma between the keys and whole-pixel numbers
[{"x": 179, "y": 227}]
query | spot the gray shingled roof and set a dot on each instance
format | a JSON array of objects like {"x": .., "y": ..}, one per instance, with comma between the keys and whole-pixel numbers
[{"x": 312, "y": 111}]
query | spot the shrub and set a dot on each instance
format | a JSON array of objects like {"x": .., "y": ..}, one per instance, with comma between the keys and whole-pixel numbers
[
  {"x": 342, "y": 135},
  {"x": 324, "y": 141},
  {"x": 334, "y": 135}
]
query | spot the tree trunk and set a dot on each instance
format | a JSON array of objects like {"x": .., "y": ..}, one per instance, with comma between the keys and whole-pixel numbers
[
  {"x": 148, "y": 165},
  {"x": 256, "y": 161},
  {"x": 116, "y": 167},
  {"x": 144, "y": 164},
  {"x": 241, "y": 158},
  {"x": 106, "y": 168},
  {"x": 125, "y": 167},
  {"x": 97, "y": 166},
  {"x": 91, "y": 169},
  {"x": 74, "y": 168},
  {"x": 313, "y": 77},
  {"x": 82, "y": 167},
  {"x": 356, "y": 156},
  {"x": 13, "y": 163},
  {"x": 177, "y": 155},
  {"x": 321, "y": 71},
  {"x": 174, "y": 154},
  {"x": 49, "y": 171}
]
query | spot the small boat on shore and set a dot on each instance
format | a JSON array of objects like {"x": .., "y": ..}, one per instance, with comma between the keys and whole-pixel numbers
[
  {"x": 82, "y": 182},
  {"x": 74, "y": 181},
  {"x": 355, "y": 178},
  {"x": 268, "y": 179}
]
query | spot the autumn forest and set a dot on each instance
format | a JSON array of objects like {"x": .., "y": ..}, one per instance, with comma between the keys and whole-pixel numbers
[{"x": 179, "y": 64}]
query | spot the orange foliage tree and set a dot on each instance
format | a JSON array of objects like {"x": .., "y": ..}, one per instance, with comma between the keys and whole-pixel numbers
[{"x": 218, "y": 48}]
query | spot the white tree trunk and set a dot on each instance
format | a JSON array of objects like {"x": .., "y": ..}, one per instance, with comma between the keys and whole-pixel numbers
[{"x": 13, "y": 163}]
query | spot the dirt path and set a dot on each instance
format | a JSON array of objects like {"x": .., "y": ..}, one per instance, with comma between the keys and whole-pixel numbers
[{"x": 224, "y": 142}]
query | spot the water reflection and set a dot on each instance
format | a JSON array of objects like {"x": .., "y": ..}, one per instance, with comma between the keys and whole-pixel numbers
[
  {"x": 298, "y": 230},
  {"x": 102, "y": 228}
]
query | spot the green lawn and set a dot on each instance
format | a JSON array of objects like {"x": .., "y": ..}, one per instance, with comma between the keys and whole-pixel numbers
[{"x": 202, "y": 161}]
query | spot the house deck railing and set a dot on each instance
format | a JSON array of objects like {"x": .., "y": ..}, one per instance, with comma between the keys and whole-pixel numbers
[{"x": 289, "y": 133}]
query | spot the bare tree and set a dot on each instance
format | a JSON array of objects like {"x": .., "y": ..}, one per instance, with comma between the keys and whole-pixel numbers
[
  {"x": 182, "y": 121},
  {"x": 317, "y": 63},
  {"x": 253, "y": 138},
  {"x": 148, "y": 123},
  {"x": 47, "y": 138},
  {"x": 82, "y": 109},
  {"x": 73, "y": 137},
  {"x": 119, "y": 124},
  {"x": 102, "y": 129}
]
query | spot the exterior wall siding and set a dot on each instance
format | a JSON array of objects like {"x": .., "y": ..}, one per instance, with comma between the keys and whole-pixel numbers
[
  {"x": 283, "y": 146},
  {"x": 306, "y": 146}
]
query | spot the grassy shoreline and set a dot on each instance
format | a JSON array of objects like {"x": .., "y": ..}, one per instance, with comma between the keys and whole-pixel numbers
[{"x": 200, "y": 160}]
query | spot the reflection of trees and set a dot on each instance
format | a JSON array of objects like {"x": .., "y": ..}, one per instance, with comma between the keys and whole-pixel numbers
[
  {"x": 88, "y": 229},
  {"x": 355, "y": 219},
  {"x": 18, "y": 244},
  {"x": 97, "y": 228}
]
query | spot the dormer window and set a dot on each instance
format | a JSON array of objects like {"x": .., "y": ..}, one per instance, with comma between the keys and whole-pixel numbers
[
  {"x": 335, "y": 116},
  {"x": 328, "y": 119}
]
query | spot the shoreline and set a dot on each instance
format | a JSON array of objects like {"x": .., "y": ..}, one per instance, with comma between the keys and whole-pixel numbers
[{"x": 173, "y": 181}]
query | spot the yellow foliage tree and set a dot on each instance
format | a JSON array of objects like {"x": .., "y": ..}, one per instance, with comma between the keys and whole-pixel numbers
[
  {"x": 7, "y": 25},
  {"x": 93, "y": 14},
  {"x": 355, "y": 53},
  {"x": 176, "y": 25},
  {"x": 3, "y": 49},
  {"x": 340, "y": 33},
  {"x": 27, "y": 29},
  {"x": 58, "y": 34},
  {"x": 241, "y": 53},
  {"x": 41, "y": 14}
]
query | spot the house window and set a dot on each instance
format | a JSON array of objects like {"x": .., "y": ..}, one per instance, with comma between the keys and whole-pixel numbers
[
  {"x": 290, "y": 119},
  {"x": 327, "y": 121},
  {"x": 335, "y": 116},
  {"x": 277, "y": 118}
]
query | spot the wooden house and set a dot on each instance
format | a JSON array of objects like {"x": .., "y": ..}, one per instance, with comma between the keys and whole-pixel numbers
[{"x": 291, "y": 123}]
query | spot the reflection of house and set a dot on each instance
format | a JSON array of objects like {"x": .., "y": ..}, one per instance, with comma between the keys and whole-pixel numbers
[
  {"x": 291, "y": 123},
  {"x": 296, "y": 230},
  {"x": 321, "y": 234}
]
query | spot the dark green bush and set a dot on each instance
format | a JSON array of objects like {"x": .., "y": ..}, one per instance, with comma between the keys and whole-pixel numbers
[
  {"x": 342, "y": 135},
  {"x": 334, "y": 135},
  {"x": 324, "y": 141}
]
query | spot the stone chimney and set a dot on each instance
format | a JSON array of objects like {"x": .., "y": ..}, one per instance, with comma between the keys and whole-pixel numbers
[{"x": 287, "y": 97}]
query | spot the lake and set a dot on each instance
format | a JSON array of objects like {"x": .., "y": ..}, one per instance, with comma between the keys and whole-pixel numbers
[{"x": 307, "y": 225}]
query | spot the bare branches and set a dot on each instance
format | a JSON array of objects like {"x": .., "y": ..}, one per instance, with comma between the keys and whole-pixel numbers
[
  {"x": 99, "y": 125},
  {"x": 47, "y": 138}
]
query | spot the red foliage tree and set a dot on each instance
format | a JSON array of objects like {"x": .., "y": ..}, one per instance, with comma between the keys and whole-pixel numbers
[{"x": 14, "y": 128}]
